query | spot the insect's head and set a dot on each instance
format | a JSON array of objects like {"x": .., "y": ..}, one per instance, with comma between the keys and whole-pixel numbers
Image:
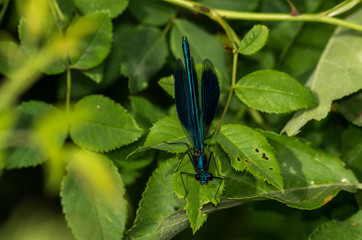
[{"x": 203, "y": 177}]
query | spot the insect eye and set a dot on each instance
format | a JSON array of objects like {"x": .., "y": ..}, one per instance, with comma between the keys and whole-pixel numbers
[{"x": 197, "y": 177}]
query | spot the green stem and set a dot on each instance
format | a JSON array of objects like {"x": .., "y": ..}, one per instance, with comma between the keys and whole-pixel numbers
[
  {"x": 316, "y": 17},
  {"x": 231, "y": 90}
]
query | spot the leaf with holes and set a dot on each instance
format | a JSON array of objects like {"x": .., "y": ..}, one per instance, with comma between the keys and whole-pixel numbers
[
  {"x": 106, "y": 127},
  {"x": 249, "y": 150},
  {"x": 311, "y": 177}
]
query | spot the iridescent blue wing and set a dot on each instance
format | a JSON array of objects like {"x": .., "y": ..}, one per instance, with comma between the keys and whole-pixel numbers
[
  {"x": 183, "y": 99},
  {"x": 181, "y": 94},
  {"x": 210, "y": 93}
]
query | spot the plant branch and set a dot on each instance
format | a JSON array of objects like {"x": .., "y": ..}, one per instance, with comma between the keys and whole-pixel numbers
[{"x": 316, "y": 17}]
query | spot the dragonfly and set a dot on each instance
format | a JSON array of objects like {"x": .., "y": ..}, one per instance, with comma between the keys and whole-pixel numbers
[{"x": 196, "y": 121}]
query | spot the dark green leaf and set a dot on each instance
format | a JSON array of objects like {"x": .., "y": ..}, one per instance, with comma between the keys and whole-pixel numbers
[
  {"x": 34, "y": 219},
  {"x": 96, "y": 73},
  {"x": 11, "y": 56},
  {"x": 350, "y": 229},
  {"x": 92, "y": 198},
  {"x": 158, "y": 201},
  {"x": 106, "y": 127},
  {"x": 274, "y": 92},
  {"x": 249, "y": 150},
  {"x": 95, "y": 46},
  {"x": 25, "y": 149},
  {"x": 332, "y": 78},
  {"x": 152, "y": 12},
  {"x": 254, "y": 40},
  {"x": 115, "y": 7},
  {"x": 30, "y": 44},
  {"x": 352, "y": 149},
  {"x": 145, "y": 112},
  {"x": 144, "y": 53},
  {"x": 136, "y": 161},
  {"x": 201, "y": 43},
  {"x": 350, "y": 108}
]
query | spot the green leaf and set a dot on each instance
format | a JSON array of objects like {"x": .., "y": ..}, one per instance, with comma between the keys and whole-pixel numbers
[
  {"x": 92, "y": 198},
  {"x": 168, "y": 84},
  {"x": 274, "y": 92},
  {"x": 233, "y": 5},
  {"x": 30, "y": 44},
  {"x": 341, "y": 8},
  {"x": 107, "y": 127},
  {"x": 254, "y": 40},
  {"x": 25, "y": 148},
  {"x": 311, "y": 177},
  {"x": 352, "y": 149},
  {"x": 145, "y": 112},
  {"x": 96, "y": 73},
  {"x": 136, "y": 161},
  {"x": 350, "y": 108},
  {"x": 201, "y": 43},
  {"x": 115, "y": 7},
  {"x": 152, "y": 12},
  {"x": 332, "y": 79},
  {"x": 349, "y": 229},
  {"x": 301, "y": 53},
  {"x": 158, "y": 201},
  {"x": 144, "y": 54},
  {"x": 95, "y": 46},
  {"x": 11, "y": 56},
  {"x": 197, "y": 194},
  {"x": 111, "y": 64},
  {"x": 249, "y": 150},
  {"x": 167, "y": 130}
]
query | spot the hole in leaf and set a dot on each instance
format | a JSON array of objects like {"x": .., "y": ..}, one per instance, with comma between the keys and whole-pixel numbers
[
  {"x": 246, "y": 160},
  {"x": 176, "y": 208},
  {"x": 238, "y": 159},
  {"x": 256, "y": 150},
  {"x": 265, "y": 156},
  {"x": 271, "y": 168}
]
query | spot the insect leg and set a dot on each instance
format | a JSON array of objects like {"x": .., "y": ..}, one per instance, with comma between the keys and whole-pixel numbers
[
  {"x": 217, "y": 191},
  {"x": 188, "y": 146},
  {"x": 218, "y": 173},
  {"x": 190, "y": 174}
]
